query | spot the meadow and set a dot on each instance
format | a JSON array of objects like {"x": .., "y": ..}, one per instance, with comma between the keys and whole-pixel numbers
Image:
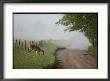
[{"x": 22, "y": 59}]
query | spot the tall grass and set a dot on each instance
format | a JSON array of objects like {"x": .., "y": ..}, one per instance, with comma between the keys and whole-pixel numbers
[{"x": 22, "y": 59}]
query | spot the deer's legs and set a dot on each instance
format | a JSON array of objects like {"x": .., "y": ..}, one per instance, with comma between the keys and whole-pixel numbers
[{"x": 36, "y": 52}]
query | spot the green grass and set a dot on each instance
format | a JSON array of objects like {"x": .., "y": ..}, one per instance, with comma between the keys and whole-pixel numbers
[
  {"x": 22, "y": 59},
  {"x": 92, "y": 50}
]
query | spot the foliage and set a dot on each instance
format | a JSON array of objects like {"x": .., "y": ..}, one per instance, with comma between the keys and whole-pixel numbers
[
  {"x": 82, "y": 22},
  {"x": 92, "y": 50}
]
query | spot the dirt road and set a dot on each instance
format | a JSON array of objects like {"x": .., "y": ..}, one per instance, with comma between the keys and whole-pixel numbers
[{"x": 75, "y": 59}]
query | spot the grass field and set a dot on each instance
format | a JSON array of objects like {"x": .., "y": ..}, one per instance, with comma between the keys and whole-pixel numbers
[{"x": 22, "y": 59}]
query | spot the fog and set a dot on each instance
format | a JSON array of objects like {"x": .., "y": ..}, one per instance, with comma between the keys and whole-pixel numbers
[{"x": 43, "y": 27}]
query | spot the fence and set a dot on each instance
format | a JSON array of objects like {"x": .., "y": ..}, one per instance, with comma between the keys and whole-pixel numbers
[{"x": 25, "y": 43}]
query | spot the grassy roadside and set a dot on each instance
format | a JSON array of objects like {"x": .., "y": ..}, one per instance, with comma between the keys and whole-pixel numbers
[
  {"x": 92, "y": 50},
  {"x": 24, "y": 60}
]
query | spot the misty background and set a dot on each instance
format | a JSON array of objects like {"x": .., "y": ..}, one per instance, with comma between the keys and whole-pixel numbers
[{"x": 43, "y": 27}]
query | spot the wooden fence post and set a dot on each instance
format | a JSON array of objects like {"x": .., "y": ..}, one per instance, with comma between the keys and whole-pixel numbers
[
  {"x": 19, "y": 42},
  {"x": 16, "y": 42},
  {"x": 25, "y": 44},
  {"x": 32, "y": 42}
]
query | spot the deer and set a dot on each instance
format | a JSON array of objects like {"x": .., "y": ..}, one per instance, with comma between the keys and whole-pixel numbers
[{"x": 35, "y": 48}]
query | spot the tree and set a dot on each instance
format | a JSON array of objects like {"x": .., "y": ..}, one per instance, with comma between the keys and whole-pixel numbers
[{"x": 82, "y": 22}]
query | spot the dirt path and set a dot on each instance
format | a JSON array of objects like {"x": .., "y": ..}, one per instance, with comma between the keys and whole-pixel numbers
[{"x": 75, "y": 59}]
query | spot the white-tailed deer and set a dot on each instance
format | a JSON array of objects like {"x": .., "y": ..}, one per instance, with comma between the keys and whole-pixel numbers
[{"x": 37, "y": 49}]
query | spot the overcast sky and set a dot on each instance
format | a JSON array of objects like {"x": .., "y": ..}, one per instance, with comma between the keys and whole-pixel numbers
[{"x": 42, "y": 26}]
